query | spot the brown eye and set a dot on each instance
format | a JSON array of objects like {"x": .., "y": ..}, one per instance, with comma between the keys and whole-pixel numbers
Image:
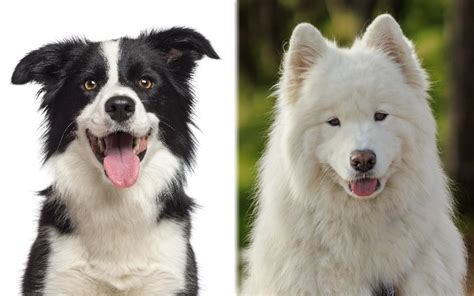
[
  {"x": 380, "y": 116},
  {"x": 90, "y": 85},
  {"x": 145, "y": 83},
  {"x": 334, "y": 121}
]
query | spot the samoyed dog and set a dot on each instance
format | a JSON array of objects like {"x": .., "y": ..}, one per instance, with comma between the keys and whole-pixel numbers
[{"x": 353, "y": 199}]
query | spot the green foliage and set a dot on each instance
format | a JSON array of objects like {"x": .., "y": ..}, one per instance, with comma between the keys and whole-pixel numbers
[{"x": 254, "y": 118}]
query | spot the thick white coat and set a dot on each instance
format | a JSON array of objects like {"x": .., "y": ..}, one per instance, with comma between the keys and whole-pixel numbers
[{"x": 312, "y": 235}]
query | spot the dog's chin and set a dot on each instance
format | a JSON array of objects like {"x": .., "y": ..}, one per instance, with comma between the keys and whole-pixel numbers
[
  {"x": 364, "y": 188},
  {"x": 120, "y": 154}
]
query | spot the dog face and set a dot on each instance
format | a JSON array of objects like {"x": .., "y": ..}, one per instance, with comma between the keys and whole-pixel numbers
[
  {"x": 121, "y": 101},
  {"x": 352, "y": 114}
]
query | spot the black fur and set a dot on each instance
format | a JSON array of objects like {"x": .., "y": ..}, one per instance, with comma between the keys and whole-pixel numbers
[
  {"x": 53, "y": 214},
  {"x": 176, "y": 204},
  {"x": 384, "y": 290},
  {"x": 191, "y": 274},
  {"x": 61, "y": 68},
  {"x": 166, "y": 57},
  {"x": 33, "y": 279}
]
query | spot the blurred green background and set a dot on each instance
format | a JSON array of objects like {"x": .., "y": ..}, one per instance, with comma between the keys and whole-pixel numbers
[{"x": 435, "y": 26}]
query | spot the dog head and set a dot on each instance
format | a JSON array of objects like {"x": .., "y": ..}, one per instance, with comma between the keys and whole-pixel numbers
[
  {"x": 120, "y": 103},
  {"x": 354, "y": 115}
]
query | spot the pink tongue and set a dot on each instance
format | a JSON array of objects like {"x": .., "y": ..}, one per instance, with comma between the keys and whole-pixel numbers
[
  {"x": 120, "y": 162},
  {"x": 364, "y": 187}
]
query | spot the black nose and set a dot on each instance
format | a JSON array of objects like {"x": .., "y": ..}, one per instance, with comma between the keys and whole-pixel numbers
[
  {"x": 363, "y": 160},
  {"x": 120, "y": 108}
]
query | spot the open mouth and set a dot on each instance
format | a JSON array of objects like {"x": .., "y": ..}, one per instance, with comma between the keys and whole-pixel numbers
[
  {"x": 120, "y": 153},
  {"x": 364, "y": 187}
]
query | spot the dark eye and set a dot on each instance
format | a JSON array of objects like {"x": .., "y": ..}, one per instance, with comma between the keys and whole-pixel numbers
[
  {"x": 90, "y": 84},
  {"x": 380, "y": 116},
  {"x": 145, "y": 83},
  {"x": 334, "y": 122}
]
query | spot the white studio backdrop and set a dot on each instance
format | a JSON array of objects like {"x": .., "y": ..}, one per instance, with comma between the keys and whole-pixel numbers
[{"x": 27, "y": 25}]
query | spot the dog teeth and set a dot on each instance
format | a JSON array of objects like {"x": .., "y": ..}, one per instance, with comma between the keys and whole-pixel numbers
[
  {"x": 136, "y": 145},
  {"x": 101, "y": 144},
  {"x": 139, "y": 144}
]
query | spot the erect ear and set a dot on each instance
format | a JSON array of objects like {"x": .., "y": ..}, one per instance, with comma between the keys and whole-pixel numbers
[
  {"x": 385, "y": 34},
  {"x": 46, "y": 64},
  {"x": 180, "y": 46},
  {"x": 307, "y": 46}
]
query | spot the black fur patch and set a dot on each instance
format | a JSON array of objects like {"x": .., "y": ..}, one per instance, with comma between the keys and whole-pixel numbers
[
  {"x": 168, "y": 58},
  {"x": 54, "y": 213},
  {"x": 33, "y": 279},
  {"x": 61, "y": 68},
  {"x": 191, "y": 274},
  {"x": 384, "y": 290},
  {"x": 176, "y": 204}
]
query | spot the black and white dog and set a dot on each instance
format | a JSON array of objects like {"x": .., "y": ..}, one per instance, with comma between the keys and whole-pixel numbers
[{"x": 118, "y": 113}]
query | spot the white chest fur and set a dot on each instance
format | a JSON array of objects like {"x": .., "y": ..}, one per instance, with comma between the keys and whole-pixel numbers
[
  {"x": 117, "y": 246},
  {"x": 150, "y": 261}
]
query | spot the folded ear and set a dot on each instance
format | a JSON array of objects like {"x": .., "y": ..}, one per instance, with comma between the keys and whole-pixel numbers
[
  {"x": 46, "y": 64},
  {"x": 180, "y": 46},
  {"x": 307, "y": 46},
  {"x": 385, "y": 34}
]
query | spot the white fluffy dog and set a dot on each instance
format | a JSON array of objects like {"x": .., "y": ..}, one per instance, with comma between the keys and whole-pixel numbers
[{"x": 353, "y": 199}]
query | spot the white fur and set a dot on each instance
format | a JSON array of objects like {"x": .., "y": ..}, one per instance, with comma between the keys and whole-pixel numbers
[
  {"x": 311, "y": 235},
  {"x": 118, "y": 247}
]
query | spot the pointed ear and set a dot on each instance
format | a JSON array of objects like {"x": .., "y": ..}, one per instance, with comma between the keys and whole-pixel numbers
[
  {"x": 46, "y": 64},
  {"x": 307, "y": 46},
  {"x": 180, "y": 45},
  {"x": 385, "y": 34}
]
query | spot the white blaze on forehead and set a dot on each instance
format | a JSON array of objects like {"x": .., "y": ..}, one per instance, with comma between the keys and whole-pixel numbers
[
  {"x": 95, "y": 118},
  {"x": 111, "y": 50}
]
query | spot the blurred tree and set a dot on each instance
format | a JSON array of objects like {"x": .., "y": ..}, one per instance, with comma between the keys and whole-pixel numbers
[
  {"x": 365, "y": 8},
  {"x": 462, "y": 131},
  {"x": 263, "y": 25}
]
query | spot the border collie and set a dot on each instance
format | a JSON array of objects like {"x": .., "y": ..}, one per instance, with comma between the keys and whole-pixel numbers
[{"x": 116, "y": 219}]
